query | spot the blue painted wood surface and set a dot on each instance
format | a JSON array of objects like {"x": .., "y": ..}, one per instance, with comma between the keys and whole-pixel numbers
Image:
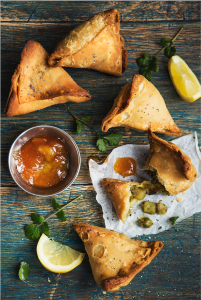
[{"x": 175, "y": 272}]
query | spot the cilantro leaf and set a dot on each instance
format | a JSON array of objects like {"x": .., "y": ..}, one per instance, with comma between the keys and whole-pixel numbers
[
  {"x": 164, "y": 42},
  {"x": 37, "y": 218},
  {"x": 79, "y": 126},
  {"x": 146, "y": 72},
  {"x": 55, "y": 205},
  {"x": 102, "y": 144},
  {"x": 32, "y": 232},
  {"x": 144, "y": 60},
  {"x": 44, "y": 228},
  {"x": 24, "y": 271},
  {"x": 113, "y": 138},
  {"x": 173, "y": 220},
  {"x": 61, "y": 216},
  {"x": 87, "y": 118},
  {"x": 170, "y": 51}
]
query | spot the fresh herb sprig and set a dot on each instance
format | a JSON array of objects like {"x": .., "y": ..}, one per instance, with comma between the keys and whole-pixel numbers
[
  {"x": 24, "y": 271},
  {"x": 103, "y": 141},
  {"x": 173, "y": 220},
  {"x": 33, "y": 231},
  {"x": 148, "y": 63}
]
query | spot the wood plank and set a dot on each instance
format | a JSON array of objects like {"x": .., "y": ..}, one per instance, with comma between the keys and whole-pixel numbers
[
  {"x": 102, "y": 87},
  {"x": 130, "y": 11},
  {"x": 173, "y": 274}
]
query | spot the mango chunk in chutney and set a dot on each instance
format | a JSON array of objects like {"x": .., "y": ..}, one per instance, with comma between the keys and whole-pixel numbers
[{"x": 42, "y": 161}]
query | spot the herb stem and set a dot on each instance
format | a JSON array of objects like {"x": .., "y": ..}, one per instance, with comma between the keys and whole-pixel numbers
[
  {"x": 171, "y": 41},
  {"x": 59, "y": 210},
  {"x": 89, "y": 125}
]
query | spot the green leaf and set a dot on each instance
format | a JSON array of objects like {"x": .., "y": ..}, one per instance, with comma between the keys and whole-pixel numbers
[
  {"x": 164, "y": 42},
  {"x": 144, "y": 60},
  {"x": 87, "y": 118},
  {"x": 37, "y": 218},
  {"x": 146, "y": 72},
  {"x": 44, "y": 228},
  {"x": 170, "y": 51},
  {"x": 55, "y": 205},
  {"x": 102, "y": 144},
  {"x": 154, "y": 67},
  {"x": 61, "y": 216},
  {"x": 173, "y": 220},
  {"x": 79, "y": 126},
  {"x": 24, "y": 271},
  {"x": 113, "y": 138},
  {"x": 32, "y": 232},
  {"x": 154, "y": 59}
]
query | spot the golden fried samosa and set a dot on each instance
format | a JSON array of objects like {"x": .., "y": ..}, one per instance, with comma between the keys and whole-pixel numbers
[
  {"x": 95, "y": 44},
  {"x": 169, "y": 165},
  {"x": 35, "y": 85},
  {"x": 124, "y": 194},
  {"x": 114, "y": 258},
  {"x": 140, "y": 106}
]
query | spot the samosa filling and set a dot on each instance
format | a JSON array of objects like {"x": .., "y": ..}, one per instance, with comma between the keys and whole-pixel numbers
[{"x": 158, "y": 186}]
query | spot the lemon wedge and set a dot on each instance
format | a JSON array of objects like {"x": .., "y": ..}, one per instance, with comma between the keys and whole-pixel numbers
[
  {"x": 184, "y": 80},
  {"x": 56, "y": 257}
]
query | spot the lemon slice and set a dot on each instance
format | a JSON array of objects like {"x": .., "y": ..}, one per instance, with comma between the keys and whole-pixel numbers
[
  {"x": 184, "y": 80},
  {"x": 56, "y": 257}
]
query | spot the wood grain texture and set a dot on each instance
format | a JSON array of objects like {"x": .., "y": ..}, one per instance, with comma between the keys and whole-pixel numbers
[{"x": 175, "y": 272}]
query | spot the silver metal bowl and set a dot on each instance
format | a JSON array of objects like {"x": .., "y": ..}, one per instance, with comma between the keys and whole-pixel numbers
[{"x": 74, "y": 160}]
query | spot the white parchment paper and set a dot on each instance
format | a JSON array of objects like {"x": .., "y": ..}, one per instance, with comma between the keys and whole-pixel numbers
[{"x": 191, "y": 199}]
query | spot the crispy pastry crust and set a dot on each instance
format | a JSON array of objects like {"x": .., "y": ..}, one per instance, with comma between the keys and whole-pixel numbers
[
  {"x": 95, "y": 44},
  {"x": 139, "y": 105},
  {"x": 35, "y": 85},
  {"x": 114, "y": 258},
  {"x": 174, "y": 168}
]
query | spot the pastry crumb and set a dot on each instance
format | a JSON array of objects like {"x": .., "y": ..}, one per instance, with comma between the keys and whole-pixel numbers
[
  {"x": 183, "y": 193},
  {"x": 179, "y": 199}
]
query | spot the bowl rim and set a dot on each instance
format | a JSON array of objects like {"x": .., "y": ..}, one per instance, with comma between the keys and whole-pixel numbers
[{"x": 47, "y": 126}]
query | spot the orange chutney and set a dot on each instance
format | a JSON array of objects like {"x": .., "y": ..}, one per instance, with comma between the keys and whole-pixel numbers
[
  {"x": 125, "y": 166},
  {"x": 42, "y": 161}
]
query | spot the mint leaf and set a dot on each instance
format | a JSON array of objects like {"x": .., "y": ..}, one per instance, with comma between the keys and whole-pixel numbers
[
  {"x": 102, "y": 144},
  {"x": 24, "y": 271},
  {"x": 173, "y": 220},
  {"x": 32, "y": 232},
  {"x": 113, "y": 138},
  {"x": 79, "y": 126},
  {"x": 61, "y": 216},
  {"x": 164, "y": 42},
  {"x": 170, "y": 51},
  {"x": 44, "y": 228},
  {"x": 55, "y": 205},
  {"x": 37, "y": 218},
  {"x": 87, "y": 118}
]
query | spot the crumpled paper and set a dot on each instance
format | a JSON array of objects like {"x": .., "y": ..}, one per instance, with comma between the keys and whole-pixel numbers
[{"x": 190, "y": 199}]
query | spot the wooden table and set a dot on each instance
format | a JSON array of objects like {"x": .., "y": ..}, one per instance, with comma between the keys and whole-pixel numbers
[{"x": 175, "y": 272}]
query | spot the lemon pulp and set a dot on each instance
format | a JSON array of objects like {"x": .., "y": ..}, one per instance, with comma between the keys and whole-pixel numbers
[
  {"x": 56, "y": 257},
  {"x": 183, "y": 79}
]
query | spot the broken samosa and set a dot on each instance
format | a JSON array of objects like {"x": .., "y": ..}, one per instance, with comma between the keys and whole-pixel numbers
[
  {"x": 95, "y": 44},
  {"x": 124, "y": 194},
  {"x": 140, "y": 106},
  {"x": 35, "y": 85},
  {"x": 170, "y": 166},
  {"x": 114, "y": 258}
]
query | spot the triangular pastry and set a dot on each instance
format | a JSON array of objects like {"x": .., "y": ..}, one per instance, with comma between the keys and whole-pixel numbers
[
  {"x": 35, "y": 85},
  {"x": 95, "y": 44},
  {"x": 114, "y": 258},
  {"x": 139, "y": 105},
  {"x": 169, "y": 165},
  {"x": 124, "y": 194}
]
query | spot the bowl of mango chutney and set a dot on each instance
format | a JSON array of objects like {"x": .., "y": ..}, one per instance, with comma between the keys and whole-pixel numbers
[{"x": 44, "y": 160}]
